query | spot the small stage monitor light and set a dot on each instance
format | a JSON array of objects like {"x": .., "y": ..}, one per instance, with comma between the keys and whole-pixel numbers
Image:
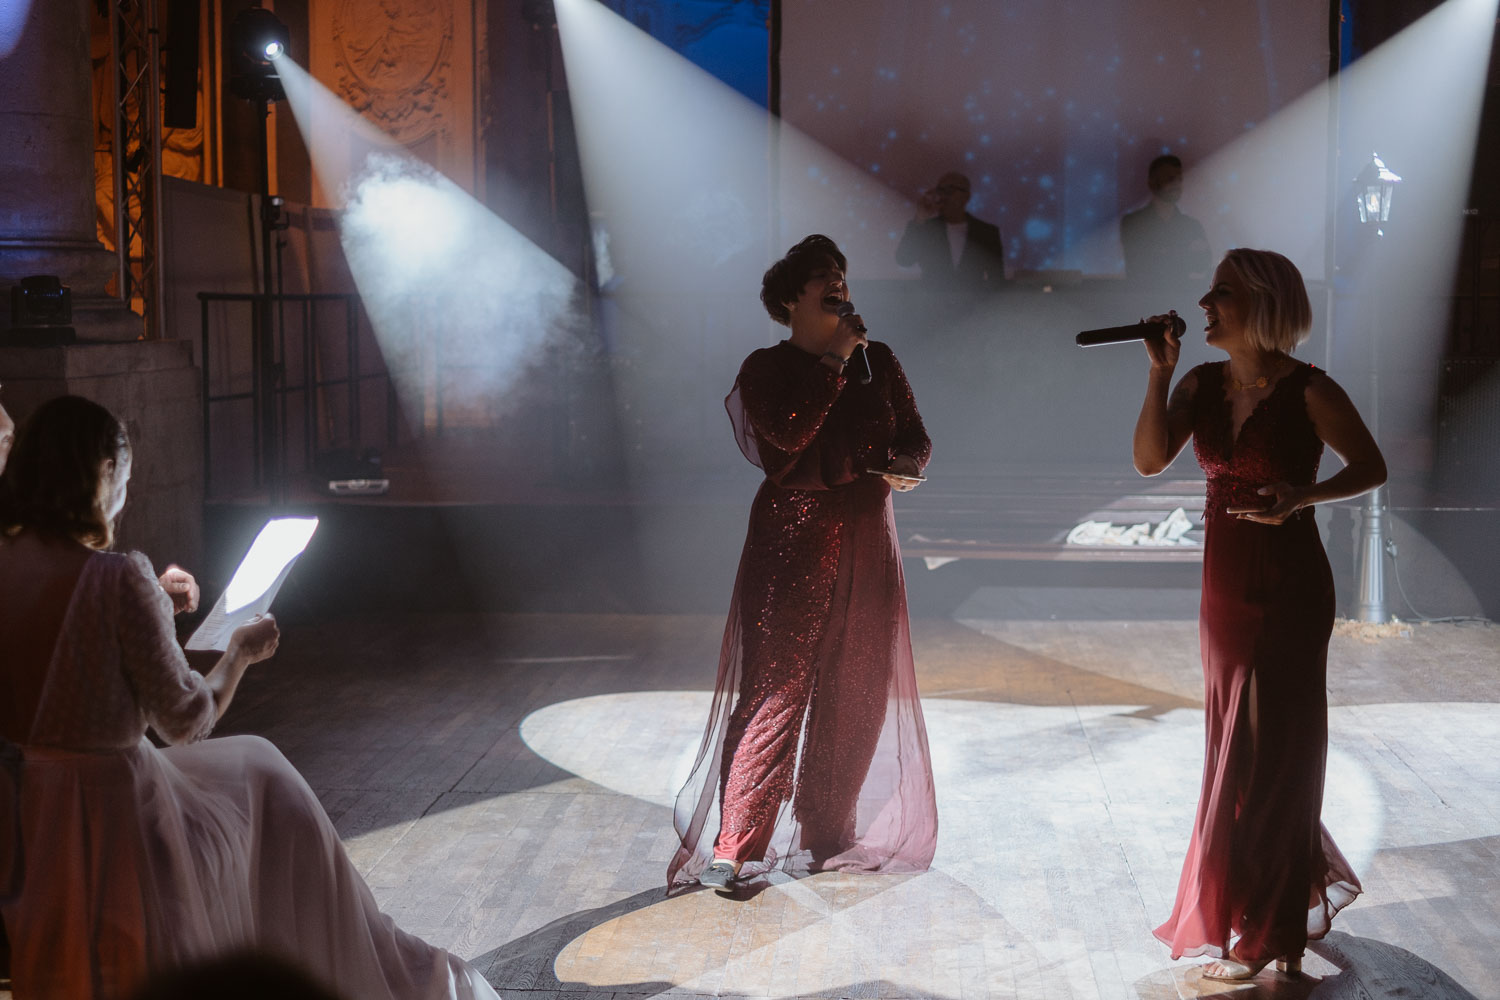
[
  {"x": 257, "y": 38},
  {"x": 348, "y": 474},
  {"x": 41, "y": 313}
]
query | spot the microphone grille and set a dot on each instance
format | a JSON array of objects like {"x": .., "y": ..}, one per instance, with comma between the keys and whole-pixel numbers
[{"x": 845, "y": 308}]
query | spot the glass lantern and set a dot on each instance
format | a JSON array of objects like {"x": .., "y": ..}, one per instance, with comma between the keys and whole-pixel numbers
[{"x": 1373, "y": 190}]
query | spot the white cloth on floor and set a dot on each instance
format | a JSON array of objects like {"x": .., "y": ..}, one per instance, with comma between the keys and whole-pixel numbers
[{"x": 1171, "y": 530}]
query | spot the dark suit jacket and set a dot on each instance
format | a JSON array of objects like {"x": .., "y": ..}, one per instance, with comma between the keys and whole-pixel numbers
[
  {"x": 925, "y": 243},
  {"x": 1165, "y": 253}
]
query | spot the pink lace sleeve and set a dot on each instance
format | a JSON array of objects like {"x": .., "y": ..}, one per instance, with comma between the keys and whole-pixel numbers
[{"x": 173, "y": 698}]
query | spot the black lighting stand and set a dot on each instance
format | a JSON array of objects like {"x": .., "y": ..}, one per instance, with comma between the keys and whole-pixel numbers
[
  {"x": 268, "y": 455},
  {"x": 256, "y": 39}
]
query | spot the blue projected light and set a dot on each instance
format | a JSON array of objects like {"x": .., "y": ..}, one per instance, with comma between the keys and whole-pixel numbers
[
  {"x": 12, "y": 24},
  {"x": 1079, "y": 105},
  {"x": 728, "y": 40}
]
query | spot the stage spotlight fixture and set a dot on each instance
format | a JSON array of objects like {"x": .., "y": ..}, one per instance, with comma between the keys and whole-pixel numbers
[
  {"x": 257, "y": 38},
  {"x": 539, "y": 14},
  {"x": 274, "y": 214}
]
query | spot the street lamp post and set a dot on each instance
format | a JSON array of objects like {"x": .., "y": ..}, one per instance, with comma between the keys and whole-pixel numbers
[{"x": 1374, "y": 189}]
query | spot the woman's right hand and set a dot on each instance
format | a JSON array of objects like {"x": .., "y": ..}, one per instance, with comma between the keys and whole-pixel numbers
[
  {"x": 256, "y": 640},
  {"x": 928, "y": 204},
  {"x": 1163, "y": 350},
  {"x": 851, "y": 334}
]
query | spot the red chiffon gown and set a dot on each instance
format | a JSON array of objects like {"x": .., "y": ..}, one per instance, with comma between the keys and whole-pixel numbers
[
  {"x": 135, "y": 859},
  {"x": 815, "y": 752},
  {"x": 1262, "y": 876}
]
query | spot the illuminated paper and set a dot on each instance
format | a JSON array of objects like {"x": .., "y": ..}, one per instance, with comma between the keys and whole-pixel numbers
[{"x": 254, "y": 585}]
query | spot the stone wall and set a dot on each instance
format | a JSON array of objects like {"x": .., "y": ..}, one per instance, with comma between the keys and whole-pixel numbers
[
  {"x": 408, "y": 66},
  {"x": 153, "y": 387}
]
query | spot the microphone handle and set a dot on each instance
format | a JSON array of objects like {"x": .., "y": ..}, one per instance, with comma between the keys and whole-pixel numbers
[
  {"x": 1126, "y": 334},
  {"x": 860, "y": 362}
]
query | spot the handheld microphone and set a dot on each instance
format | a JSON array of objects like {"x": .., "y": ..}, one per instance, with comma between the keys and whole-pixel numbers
[
  {"x": 858, "y": 359},
  {"x": 1126, "y": 334}
]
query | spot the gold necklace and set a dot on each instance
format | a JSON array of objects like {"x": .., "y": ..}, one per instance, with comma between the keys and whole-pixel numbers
[{"x": 1259, "y": 382}]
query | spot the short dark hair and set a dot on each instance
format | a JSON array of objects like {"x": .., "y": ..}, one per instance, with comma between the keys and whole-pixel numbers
[
  {"x": 784, "y": 280},
  {"x": 1164, "y": 160},
  {"x": 53, "y": 482}
]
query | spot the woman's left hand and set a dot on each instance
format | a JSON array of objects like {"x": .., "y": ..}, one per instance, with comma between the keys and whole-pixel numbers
[
  {"x": 181, "y": 588},
  {"x": 902, "y": 465},
  {"x": 1289, "y": 500}
]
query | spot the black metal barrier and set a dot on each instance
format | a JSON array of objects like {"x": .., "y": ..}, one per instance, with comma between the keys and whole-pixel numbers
[{"x": 302, "y": 396}]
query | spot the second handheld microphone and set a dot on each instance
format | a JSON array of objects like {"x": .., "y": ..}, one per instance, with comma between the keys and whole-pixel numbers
[{"x": 1126, "y": 334}]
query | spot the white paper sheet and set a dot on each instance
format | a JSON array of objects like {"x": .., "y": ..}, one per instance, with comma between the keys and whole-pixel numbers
[{"x": 254, "y": 585}]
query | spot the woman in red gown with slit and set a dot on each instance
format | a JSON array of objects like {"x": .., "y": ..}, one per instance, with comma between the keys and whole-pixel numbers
[
  {"x": 1262, "y": 876},
  {"x": 821, "y": 760}
]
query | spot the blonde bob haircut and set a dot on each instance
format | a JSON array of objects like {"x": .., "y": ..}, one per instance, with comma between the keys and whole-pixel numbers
[{"x": 1280, "y": 315}]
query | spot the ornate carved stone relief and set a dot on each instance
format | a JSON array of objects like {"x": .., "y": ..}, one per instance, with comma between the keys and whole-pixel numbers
[{"x": 393, "y": 60}]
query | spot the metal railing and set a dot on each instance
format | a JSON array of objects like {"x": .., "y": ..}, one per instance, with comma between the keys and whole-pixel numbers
[{"x": 278, "y": 418}]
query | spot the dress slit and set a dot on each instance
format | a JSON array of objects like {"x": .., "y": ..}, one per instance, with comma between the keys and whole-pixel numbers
[{"x": 1261, "y": 876}]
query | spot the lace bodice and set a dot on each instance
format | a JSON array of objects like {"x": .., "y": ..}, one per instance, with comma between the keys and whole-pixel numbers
[
  {"x": 117, "y": 667},
  {"x": 1276, "y": 443}
]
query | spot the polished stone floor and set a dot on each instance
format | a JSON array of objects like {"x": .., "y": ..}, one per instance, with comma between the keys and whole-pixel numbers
[{"x": 504, "y": 783}]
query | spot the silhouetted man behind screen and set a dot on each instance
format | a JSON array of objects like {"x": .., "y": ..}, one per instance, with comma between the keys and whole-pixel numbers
[
  {"x": 956, "y": 252},
  {"x": 1163, "y": 247}
]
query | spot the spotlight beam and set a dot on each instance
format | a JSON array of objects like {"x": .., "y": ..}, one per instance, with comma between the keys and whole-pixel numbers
[{"x": 454, "y": 294}]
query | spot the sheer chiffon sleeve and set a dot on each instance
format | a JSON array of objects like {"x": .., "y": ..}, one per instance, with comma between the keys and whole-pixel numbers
[
  {"x": 911, "y": 434},
  {"x": 173, "y": 698},
  {"x": 778, "y": 405},
  {"x": 815, "y": 754}
]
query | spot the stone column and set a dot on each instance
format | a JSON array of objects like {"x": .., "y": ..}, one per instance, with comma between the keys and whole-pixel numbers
[
  {"x": 47, "y": 227},
  {"x": 47, "y": 170}
]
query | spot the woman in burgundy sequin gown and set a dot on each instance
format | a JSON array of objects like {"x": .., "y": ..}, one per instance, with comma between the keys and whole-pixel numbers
[
  {"x": 822, "y": 761},
  {"x": 1262, "y": 876}
]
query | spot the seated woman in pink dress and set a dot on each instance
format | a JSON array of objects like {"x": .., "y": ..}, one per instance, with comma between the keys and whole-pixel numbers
[
  {"x": 1262, "y": 876},
  {"x": 822, "y": 763},
  {"x": 134, "y": 859}
]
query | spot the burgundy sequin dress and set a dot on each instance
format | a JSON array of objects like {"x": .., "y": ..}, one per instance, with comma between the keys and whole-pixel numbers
[
  {"x": 1262, "y": 876},
  {"x": 822, "y": 762}
]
